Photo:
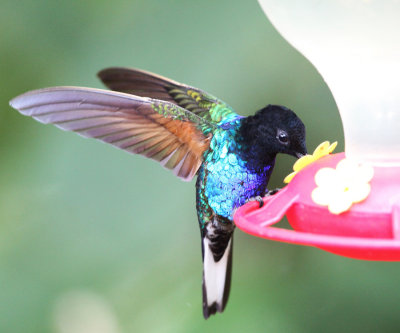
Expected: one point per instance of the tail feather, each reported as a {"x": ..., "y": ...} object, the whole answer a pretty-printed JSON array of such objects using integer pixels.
[{"x": 217, "y": 272}]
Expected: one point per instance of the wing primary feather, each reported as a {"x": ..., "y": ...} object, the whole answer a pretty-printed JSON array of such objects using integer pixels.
[{"x": 154, "y": 128}]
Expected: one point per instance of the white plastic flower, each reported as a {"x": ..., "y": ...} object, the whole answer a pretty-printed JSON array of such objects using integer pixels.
[{"x": 340, "y": 188}]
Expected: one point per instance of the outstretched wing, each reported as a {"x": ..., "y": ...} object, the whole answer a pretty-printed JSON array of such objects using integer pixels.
[
  {"x": 160, "y": 130},
  {"x": 146, "y": 84}
]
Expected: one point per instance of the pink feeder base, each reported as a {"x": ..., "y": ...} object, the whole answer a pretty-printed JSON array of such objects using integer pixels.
[{"x": 369, "y": 231}]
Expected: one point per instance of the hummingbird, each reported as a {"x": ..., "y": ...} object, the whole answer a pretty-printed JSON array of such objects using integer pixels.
[{"x": 190, "y": 132}]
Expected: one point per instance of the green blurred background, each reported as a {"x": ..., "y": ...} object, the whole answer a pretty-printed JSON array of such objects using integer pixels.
[{"x": 93, "y": 239}]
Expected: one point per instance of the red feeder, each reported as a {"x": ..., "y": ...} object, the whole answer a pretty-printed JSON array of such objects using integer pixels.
[{"x": 369, "y": 231}]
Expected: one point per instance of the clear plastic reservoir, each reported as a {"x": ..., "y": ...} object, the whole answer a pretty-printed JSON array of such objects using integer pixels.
[{"x": 355, "y": 45}]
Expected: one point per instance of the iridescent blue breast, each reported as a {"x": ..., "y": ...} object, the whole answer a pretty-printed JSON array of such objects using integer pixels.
[{"x": 228, "y": 183}]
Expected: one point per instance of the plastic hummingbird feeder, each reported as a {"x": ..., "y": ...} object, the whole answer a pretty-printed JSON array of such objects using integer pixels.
[{"x": 346, "y": 203}]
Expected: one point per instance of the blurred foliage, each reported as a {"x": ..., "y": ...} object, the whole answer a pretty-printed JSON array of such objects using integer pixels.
[{"x": 91, "y": 235}]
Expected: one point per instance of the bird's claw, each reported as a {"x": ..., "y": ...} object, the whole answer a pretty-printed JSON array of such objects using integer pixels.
[{"x": 258, "y": 199}]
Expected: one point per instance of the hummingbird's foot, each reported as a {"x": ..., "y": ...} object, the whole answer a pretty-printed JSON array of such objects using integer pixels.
[
  {"x": 258, "y": 199},
  {"x": 272, "y": 192}
]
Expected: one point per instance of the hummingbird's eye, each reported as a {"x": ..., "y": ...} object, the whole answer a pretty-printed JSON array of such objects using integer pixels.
[{"x": 282, "y": 137}]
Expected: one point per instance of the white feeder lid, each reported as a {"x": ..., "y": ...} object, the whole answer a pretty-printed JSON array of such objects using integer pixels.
[{"x": 355, "y": 45}]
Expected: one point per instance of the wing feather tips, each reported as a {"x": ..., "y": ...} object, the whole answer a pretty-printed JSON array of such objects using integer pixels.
[
  {"x": 79, "y": 96},
  {"x": 126, "y": 74},
  {"x": 138, "y": 82}
]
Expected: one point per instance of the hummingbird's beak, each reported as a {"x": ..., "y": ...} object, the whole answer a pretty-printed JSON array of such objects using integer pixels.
[{"x": 301, "y": 152}]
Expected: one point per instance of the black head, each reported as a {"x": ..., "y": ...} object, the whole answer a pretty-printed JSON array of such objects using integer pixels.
[{"x": 272, "y": 130}]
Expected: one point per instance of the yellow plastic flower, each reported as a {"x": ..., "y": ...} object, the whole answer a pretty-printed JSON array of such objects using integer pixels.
[
  {"x": 323, "y": 149},
  {"x": 340, "y": 188}
]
